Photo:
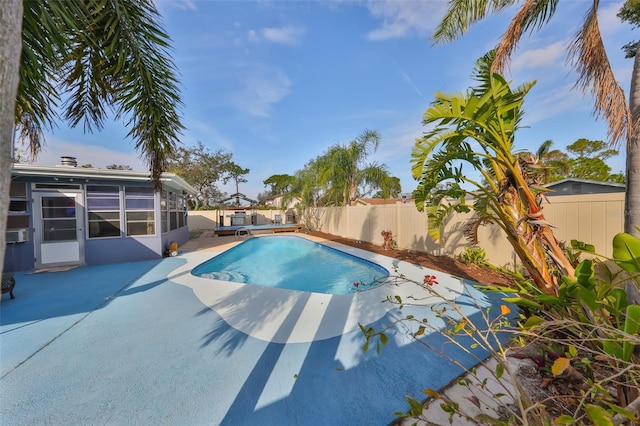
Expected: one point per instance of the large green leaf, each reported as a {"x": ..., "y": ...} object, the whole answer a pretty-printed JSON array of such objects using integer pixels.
[
  {"x": 626, "y": 252},
  {"x": 598, "y": 415},
  {"x": 631, "y": 327},
  {"x": 521, "y": 301}
]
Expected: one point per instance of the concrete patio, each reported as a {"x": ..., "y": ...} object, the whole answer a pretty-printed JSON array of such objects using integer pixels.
[{"x": 134, "y": 344}]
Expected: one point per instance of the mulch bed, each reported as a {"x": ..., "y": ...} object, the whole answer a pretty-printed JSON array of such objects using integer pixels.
[{"x": 446, "y": 264}]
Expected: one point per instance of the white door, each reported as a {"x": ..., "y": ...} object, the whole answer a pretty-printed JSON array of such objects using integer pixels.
[{"x": 58, "y": 223}]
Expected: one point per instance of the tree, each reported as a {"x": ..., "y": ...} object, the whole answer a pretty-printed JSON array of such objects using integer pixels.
[
  {"x": 346, "y": 170},
  {"x": 545, "y": 170},
  {"x": 96, "y": 54},
  {"x": 341, "y": 174},
  {"x": 589, "y": 162},
  {"x": 588, "y": 57},
  {"x": 585, "y": 148},
  {"x": 310, "y": 187},
  {"x": 616, "y": 178},
  {"x": 235, "y": 173},
  {"x": 489, "y": 115},
  {"x": 10, "y": 48},
  {"x": 119, "y": 167},
  {"x": 201, "y": 169},
  {"x": 554, "y": 164},
  {"x": 279, "y": 184},
  {"x": 391, "y": 188}
]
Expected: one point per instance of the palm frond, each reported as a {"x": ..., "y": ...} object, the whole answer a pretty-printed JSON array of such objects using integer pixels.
[
  {"x": 45, "y": 26},
  {"x": 589, "y": 58},
  {"x": 470, "y": 230},
  {"x": 102, "y": 53},
  {"x": 464, "y": 13},
  {"x": 531, "y": 16}
]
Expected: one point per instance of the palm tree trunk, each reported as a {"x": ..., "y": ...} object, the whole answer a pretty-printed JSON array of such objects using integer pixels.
[
  {"x": 632, "y": 198},
  {"x": 10, "y": 50}
]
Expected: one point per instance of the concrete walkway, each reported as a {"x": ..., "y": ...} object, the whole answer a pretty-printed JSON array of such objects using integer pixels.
[{"x": 133, "y": 344}]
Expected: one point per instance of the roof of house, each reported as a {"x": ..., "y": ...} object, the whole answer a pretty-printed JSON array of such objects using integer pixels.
[
  {"x": 591, "y": 182},
  {"x": 170, "y": 180}
]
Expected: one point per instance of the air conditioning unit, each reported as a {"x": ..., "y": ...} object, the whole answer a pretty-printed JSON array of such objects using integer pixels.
[{"x": 17, "y": 235}]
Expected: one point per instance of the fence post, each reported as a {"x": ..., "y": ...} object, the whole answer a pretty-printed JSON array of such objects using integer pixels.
[{"x": 398, "y": 237}]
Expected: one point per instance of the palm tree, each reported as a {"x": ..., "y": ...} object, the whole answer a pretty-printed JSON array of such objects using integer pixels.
[
  {"x": 588, "y": 57},
  {"x": 548, "y": 165},
  {"x": 489, "y": 115},
  {"x": 94, "y": 54},
  {"x": 310, "y": 187},
  {"x": 347, "y": 170}
]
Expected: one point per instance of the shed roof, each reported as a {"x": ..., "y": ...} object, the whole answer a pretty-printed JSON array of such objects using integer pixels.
[{"x": 591, "y": 182}]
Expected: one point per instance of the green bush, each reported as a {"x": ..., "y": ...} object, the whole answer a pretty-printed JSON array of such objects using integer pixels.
[{"x": 473, "y": 255}]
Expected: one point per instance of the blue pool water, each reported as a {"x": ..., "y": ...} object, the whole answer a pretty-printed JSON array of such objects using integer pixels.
[{"x": 293, "y": 263}]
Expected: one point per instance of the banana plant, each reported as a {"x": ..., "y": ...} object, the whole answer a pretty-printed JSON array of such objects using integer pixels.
[{"x": 478, "y": 129}]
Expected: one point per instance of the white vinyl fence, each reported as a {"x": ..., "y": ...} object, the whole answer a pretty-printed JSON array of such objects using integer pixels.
[{"x": 592, "y": 218}]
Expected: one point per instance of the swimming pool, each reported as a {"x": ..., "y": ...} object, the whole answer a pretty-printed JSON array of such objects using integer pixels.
[{"x": 292, "y": 263}]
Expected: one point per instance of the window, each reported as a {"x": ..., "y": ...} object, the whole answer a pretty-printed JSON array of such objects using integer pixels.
[
  {"x": 18, "y": 206},
  {"x": 173, "y": 212},
  {"x": 59, "y": 218},
  {"x": 103, "y": 211},
  {"x": 177, "y": 210},
  {"x": 140, "y": 210},
  {"x": 164, "y": 211}
]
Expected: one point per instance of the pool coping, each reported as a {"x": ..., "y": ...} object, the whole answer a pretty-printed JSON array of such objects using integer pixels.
[{"x": 235, "y": 302}]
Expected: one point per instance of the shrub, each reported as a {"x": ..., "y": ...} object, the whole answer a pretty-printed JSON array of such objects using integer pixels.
[
  {"x": 473, "y": 255},
  {"x": 583, "y": 343}
]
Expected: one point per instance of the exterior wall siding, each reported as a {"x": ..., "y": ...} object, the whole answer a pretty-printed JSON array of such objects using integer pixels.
[
  {"x": 20, "y": 256},
  {"x": 122, "y": 250}
]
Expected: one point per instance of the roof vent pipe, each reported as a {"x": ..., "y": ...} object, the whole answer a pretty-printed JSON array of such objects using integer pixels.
[{"x": 69, "y": 161}]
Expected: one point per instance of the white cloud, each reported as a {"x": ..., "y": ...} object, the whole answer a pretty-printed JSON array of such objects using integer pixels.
[
  {"x": 207, "y": 134},
  {"x": 543, "y": 57},
  {"x": 98, "y": 156},
  {"x": 262, "y": 89},
  {"x": 607, "y": 19},
  {"x": 553, "y": 103},
  {"x": 405, "y": 18},
  {"x": 175, "y": 4},
  {"x": 286, "y": 35}
]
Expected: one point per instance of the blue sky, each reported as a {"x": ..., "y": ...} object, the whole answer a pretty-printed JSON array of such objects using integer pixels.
[{"x": 278, "y": 82}]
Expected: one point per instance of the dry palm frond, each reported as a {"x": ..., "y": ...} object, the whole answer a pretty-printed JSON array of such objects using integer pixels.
[
  {"x": 470, "y": 230},
  {"x": 532, "y": 13},
  {"x": 30, "y": 132},
  {"x": 588, "y": 57}
]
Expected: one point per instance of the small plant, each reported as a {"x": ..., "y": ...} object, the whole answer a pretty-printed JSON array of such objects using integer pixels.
[
  {"x": 583, "y": 342},
  {"x": 389, "y": 243},
  {"x": 476, "y": 338},
  {"x": 473, "y": 255}
]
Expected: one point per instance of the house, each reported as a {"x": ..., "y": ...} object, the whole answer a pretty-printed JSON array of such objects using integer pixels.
[
  {"x": 65, "y": 215},
  {"x": 275, "y": 202},
  {"x": 571, "y": 186}
]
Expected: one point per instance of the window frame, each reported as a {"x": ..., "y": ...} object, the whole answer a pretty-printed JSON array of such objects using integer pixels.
[
  {"x": 96, "y": 211},
  {"x": 18, "y": 218},
  {"x": 143, "y": 193}
]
